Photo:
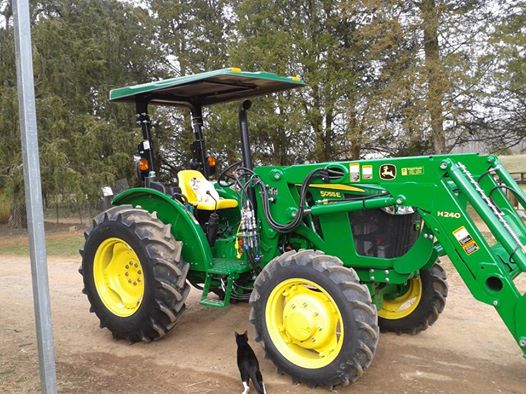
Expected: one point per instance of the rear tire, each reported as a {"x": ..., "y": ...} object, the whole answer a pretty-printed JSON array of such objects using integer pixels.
[
  {"x": 133, "y": 276},
  {"x": 430, "y": 303},
  {"x": 316, "y": 321}
]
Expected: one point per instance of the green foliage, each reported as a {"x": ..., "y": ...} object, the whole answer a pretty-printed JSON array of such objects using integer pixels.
[
  {"x": 5, "y": 207},
  {"x": 505, "y": 124},
  {"x": 384, "y": 78},
  {"x": 81, "y": 50}
]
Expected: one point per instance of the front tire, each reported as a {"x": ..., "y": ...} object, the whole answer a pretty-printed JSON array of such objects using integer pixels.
[
  {"x": 132, "y": 273},
  {"x": 418, "y": 306},
  {"x": 316, "y": 321}
]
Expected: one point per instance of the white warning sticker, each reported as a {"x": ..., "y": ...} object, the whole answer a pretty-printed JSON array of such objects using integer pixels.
[
  {"x": 462, "y": 235},
  {"x": 354, "y": 169},
  {"x": 465, "y": 240},
  {"x": 367, "y": 171}
]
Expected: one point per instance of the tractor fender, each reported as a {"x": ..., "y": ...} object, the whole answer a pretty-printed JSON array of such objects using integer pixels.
[{"x": 184, "y": 226}]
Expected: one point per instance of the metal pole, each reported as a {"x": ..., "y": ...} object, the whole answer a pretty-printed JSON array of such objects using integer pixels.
[{"x": 33, "y": 190}]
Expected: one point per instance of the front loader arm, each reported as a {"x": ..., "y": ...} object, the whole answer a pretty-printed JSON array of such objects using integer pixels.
[
  {"x": 458, "y": 197},
  {"x": 487, "y": 266}
]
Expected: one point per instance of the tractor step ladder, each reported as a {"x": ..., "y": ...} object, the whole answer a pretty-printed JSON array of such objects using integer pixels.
[
  {"x": 212, "y": 302},
  {"x": 224, "y": 271}
]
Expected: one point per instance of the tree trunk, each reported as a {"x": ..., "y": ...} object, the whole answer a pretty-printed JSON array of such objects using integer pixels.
[
  {"x": 356, "y": 150},
  {"x": 18, "y": 216},
  {"x": 56, "y": 206},
  {"x": 355, "y": 134},
  {"x": 435, "y": 83},
  {"x": 316, "y": 121},
  {"x": 328, "y": 151}
]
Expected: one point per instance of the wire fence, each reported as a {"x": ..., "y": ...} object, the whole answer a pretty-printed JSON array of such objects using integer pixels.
[{"x": 520, "y": 177}]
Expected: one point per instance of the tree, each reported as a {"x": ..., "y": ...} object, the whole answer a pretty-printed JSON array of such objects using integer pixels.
[
  {"x": 503, "y": 91},
  {"x": 314, "y": 40},
  {"x": 81, "y": 50},
  {"x": 425, "y": 56},
  {"x": 194, "y": 37}
]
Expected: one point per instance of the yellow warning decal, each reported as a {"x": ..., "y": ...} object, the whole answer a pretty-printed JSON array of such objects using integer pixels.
[
  {"x": 470, "y": 248},
  {"x": 411, "y": 171},
  {"x": 465, "y": 240},
  {"x": 354, "y": 170}
]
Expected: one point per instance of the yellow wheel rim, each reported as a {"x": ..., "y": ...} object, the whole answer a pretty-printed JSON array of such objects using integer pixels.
[
  {"x": 119, "y": 277},
  {"x": 304, "y": 323},
  {"x": 404, "y": 305}
]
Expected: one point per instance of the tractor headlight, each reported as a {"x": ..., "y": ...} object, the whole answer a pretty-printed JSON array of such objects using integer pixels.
[{"x": 399, "y": 210}]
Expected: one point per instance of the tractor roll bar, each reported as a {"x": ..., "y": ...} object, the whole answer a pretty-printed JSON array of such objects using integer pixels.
[
  {"x": 245, "y": 139},
  {"x": 143, "y": 120},
  {"x": 198, "y": 146},
  {"x": 199, "y": 160},
  {"x": 245, "y": 146}
]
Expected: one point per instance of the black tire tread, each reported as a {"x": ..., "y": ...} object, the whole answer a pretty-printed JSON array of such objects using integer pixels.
[
  {"x": 355, "y": 293},
  {"x": 431, "y": 310},
  {"x": 164, "y": 252}
]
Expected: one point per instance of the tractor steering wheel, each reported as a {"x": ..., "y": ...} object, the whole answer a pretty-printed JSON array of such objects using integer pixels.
[{"x": 227, "y": 178}]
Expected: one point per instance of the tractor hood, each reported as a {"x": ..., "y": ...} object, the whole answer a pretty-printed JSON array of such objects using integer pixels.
[{"x": 207, "y": 88}]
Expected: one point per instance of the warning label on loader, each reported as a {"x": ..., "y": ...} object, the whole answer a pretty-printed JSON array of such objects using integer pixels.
[
  {"x": 462, "y": 235},
  {"x": 354, "y": 169},
  {"x": 411, "y": 171},
  {"x": 471, "y": 248},
  {"x": 367, "y": 171},
  {"x": 466, "y": 240}
]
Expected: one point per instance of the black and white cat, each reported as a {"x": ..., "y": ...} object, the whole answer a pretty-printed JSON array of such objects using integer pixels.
[{"x": 248, "y": 365}]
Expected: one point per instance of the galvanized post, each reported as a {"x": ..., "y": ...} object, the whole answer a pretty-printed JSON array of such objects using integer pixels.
[{"x": 35, "y": 216}]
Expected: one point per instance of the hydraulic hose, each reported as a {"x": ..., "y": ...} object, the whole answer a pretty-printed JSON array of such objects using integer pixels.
[{"x": 324, "y": 173}]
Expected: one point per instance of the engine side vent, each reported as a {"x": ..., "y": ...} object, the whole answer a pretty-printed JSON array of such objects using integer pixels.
[{"x": 380, "y": 234}]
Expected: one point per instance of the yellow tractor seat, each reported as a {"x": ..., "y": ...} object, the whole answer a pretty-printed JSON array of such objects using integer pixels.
[{"x": 201, "y": 193}]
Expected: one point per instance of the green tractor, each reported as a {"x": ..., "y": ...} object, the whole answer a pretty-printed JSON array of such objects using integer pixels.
[{"x": 328, "y": 254}]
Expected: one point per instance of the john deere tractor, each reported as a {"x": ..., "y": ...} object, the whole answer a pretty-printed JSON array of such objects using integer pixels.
[{"x": 327, "y": 254}]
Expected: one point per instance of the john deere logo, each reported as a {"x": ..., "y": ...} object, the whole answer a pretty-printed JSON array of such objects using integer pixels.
[{"x": 387, "y": 172}]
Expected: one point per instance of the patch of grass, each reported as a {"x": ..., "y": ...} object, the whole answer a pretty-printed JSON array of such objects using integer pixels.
[
  {"x": 67, "y": 245},
  {"x": 6, "y": 372}
]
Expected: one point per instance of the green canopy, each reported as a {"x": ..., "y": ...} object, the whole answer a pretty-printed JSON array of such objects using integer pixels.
[{"x": 207, "y": 88}]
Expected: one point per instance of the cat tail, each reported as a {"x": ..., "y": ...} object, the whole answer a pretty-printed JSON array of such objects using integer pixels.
[{"x": 257, "y": 381}]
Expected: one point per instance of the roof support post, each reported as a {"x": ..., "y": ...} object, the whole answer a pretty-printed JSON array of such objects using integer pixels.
[
  {"x": 199, "y": 159},
  {"x": 245, "y": 138},
  {"x": 33, "y": 191},
  {"x": 245, "y": 145},
  {"x": 143, "y": 121}
]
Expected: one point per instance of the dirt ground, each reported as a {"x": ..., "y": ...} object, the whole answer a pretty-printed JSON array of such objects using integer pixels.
[{"x": 468, "y": 350}]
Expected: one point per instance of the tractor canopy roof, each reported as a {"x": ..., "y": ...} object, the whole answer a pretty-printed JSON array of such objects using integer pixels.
[{"x": 212, "y": 87}]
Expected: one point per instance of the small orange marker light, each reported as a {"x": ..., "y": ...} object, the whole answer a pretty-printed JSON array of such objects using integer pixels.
[
  {"x": 211, "y": 161},
  {"x": 143, "y": 165}
]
